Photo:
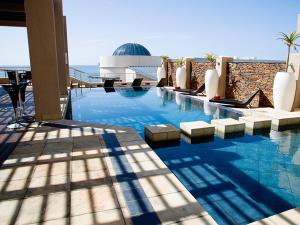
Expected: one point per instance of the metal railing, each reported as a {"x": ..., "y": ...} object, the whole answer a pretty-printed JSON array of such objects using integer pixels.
[
  {"x": 84, "y": 76},
  {"x": 94, "y": 78},
  {"x": 4, "y": 69}
]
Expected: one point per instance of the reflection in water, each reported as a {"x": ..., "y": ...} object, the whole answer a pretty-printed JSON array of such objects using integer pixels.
[
  {"x": 133, "y": 92},
  {"x": 296, "y": 158},
  {"x": 209, "y": 109},
  {"x": 275, "y": 135},
  {"x": 285, "y": 140},
  {"x": 159, "y": 92},
  {"x": 183, "y": 101},
  {"x": 162, "y": 94},
  {"x": 178, "y": 99}
]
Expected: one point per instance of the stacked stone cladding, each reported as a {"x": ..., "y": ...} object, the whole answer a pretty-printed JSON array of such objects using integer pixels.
[
  {"x": 244, "y": 78},
  {"x": 198, "y": 72}
]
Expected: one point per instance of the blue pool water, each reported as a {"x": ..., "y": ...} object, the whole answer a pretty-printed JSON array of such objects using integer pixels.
[{"x": 237, "y": 180}]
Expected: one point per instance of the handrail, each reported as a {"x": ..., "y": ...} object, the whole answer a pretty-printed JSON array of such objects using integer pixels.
[{"x": 4, "y": 69}]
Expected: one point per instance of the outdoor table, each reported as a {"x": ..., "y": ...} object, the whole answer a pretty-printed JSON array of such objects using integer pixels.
[{"x": 16, "y": 92}]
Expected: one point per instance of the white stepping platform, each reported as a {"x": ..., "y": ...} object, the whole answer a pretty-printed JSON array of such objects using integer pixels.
[
  {"x": 197, "y": 129},
  {"x": 228, "y": 126},
  {"x": 288, "y": 217},
  {"x": 162, "y": 132},
  {"x": 255, "y": 123},
  {"x": 280, "y": 119}
]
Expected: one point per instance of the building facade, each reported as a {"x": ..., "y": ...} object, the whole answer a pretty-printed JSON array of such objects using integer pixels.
[{"x": 129, "y": 61}]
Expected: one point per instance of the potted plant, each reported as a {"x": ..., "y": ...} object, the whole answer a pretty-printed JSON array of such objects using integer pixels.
[
  {"x": 161, "y": 71},
  {"x": 181, "y": 74},
  {"x": 211, "y": 77},
  {"x": 284, "y": 87}
]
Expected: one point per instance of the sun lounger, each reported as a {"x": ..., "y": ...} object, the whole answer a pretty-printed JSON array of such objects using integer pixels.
[
  {"x": 236, "y": 103},
  {"x": 138, "y": 88},
  {"x": 108, "y": 83},
  {"x": 109, "y": 89},
  {"x": 162, "y": 82},
  {"x": 200, "y": 90},
  {"x": 137, "y": 82}
]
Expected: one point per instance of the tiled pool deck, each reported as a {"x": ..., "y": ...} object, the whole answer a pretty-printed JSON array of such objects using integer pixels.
[{"x": 78, "y": 173}]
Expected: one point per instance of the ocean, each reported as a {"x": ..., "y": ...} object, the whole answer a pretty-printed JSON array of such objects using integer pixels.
[
  {"x": 92, "y": 70},
  {"x": 89, "y": 73}
]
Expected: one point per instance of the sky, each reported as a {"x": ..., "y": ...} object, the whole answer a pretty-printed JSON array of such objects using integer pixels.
[{"x": 177, "y": 28}]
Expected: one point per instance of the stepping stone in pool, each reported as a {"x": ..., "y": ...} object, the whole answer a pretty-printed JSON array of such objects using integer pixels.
[
  {"x": 256, "y": 124},
  {"x": 197, "y": 129},
  {"x": 162, "y": 133},
  {"x": 228, "y": 128},
  {"x": 284, "y": 122}
]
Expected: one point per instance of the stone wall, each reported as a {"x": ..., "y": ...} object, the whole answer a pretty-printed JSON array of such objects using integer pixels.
[
  {"x": 198, "y": 72},
  {"x": 172, "y": 67},
  {"x": 244, "y": 78},
  {"x": 198, "y": 69}
]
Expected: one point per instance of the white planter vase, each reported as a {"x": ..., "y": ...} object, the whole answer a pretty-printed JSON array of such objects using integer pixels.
[
  {"x": 161, "y": 73},
  {"x": 211, "y": 83},
  {"x": 181, "y": 77},
  {"x": 284, "y": 89}
]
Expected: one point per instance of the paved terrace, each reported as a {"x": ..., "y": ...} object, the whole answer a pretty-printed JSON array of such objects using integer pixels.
[
  {"x": 75, "y": 173},
  {"x": 9, "y": 138}
]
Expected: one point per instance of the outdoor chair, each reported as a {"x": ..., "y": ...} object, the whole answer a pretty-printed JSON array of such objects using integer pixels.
[
  {"x": 25, "y": 77},
  {"x": 236, "y": 103},
  {"x": 135, "y": 88},
  {"x": 108, "y": 83},
  {"x": 137, "y": 82},
  {"x": 162, "y": 82},
  {"x": 12, "y": 76},
  {"x": 199, "y": 90},
  {"x": 109, "y": 89}
]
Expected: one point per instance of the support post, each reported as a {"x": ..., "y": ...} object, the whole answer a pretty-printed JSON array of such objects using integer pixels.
[
  {"x": 165, "y": 63},
  {"x": 221, "y": 67},
  {"x": 188, "y": 67},
  {"x": 43, "y": 58},
  {"x": 60, "y": 44},
  {"x": 295, "y": 62}
]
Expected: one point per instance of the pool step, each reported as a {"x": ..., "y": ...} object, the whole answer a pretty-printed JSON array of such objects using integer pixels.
[
  {"x": 162, "y": 133},
  {"x": 226, "y": 128},
  {"x": 281, "y": 120},
  {"x": 256, "y": 124},
  {"x": 197, "y": 129},
  {"x": 291, "y": 216}
]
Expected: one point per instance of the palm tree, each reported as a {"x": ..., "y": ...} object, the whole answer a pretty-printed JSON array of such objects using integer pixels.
[
  {"x": 164, "y": 58},
  {"x": 290, "y": 41},
  {"x": 180, "y": 62},
  {"x": 211, "y": 58}
]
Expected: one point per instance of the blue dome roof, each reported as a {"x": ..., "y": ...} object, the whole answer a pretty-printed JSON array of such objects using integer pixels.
[{"x": 132, "y": 49}]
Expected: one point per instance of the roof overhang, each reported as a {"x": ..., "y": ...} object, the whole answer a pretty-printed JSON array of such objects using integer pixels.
[{"x": 12, "y": 13}]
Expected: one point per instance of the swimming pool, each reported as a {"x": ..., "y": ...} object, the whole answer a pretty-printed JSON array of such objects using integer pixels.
[{"x": 237, "y": 180}]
